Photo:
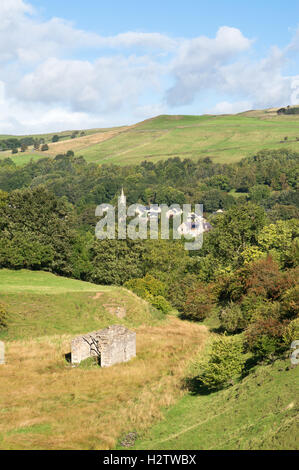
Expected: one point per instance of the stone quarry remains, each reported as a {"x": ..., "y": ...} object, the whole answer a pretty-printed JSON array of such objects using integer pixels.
[{"x": 111, "y": 345}]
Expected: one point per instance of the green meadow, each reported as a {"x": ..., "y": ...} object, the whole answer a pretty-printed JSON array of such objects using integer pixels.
[
  {"x": 225, "y": 139},
  {"x": 260, "y": 412},
  {"x": 41, "y": 303}
]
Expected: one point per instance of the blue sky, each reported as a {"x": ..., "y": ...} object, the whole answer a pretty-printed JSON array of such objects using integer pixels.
[
  {"x": 76, "y": 64},
  {"x": 270, "y": 21}
]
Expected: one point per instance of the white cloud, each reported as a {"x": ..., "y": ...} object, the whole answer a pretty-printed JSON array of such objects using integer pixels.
[
  {"x": 23, "y": 36},
  {"x": 198, "y": 60},
  {"x": 103, "y": 86},
  {"x": 225, "y": 107},
  {"x": 45, "y": 83}
]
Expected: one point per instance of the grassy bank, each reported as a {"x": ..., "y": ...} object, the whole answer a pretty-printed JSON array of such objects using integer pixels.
[
  {"x": 260, "y": 412},
  {"x": 41, "y": 303}
]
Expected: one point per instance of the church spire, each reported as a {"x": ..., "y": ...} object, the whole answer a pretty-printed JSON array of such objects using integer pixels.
[{"x": 122, "y": 197}]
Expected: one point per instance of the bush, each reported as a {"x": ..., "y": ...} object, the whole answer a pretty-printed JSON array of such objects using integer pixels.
[
  {"x": 252, "y": 306},
  {"x": 177, "y": 291},
  {"x": 146, "y": 285},
  {"x": 264, "y": 338},
  {"x": 3, "y": 317},
  {"x": 232, "y": 319},
  {"x": 290, "y": 303},
  {"x": 152, "y": 290},
  {"x": 200, "y": 300},
  {"x": 226, "y": 363},
  {"x": 159, "y": 302},
  {"x": 291, "y": 332},
  {"x": 261, "y": 278}
]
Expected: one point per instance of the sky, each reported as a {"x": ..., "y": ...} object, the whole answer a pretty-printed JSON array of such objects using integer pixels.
[{"x": 84, "y": 64}]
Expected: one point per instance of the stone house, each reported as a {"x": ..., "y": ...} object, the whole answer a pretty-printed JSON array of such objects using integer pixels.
[{"x": 111, "y": 345}]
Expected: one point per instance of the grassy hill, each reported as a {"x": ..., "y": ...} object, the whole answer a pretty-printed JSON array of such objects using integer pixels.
[
  {"x": 41, "y": 303},
  {"x": 47, "y": 404},
  {"x": 225, "y": 138},
  {"x": 261, "y": 412}
]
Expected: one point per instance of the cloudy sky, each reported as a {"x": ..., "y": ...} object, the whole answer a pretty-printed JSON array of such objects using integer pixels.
[{"x": 80, "y": 64}]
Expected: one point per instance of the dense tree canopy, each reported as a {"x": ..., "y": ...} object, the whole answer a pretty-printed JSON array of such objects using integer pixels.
[{"x": 246, "y": 271}]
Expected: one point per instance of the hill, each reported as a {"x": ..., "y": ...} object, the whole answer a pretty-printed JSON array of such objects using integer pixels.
[
  {"x": 41, "y": 303},
  {"x": 261, "y": 412},
  {"x": 224, "y": 138},
  {"x": 47, "y": 404}
]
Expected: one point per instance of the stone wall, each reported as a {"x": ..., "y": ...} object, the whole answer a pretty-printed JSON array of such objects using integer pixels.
[{"x": 112, "y": 345}]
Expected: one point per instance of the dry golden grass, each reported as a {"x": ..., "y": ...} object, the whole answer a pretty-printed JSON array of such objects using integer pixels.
[
  {"x": 46, "y": 404},
  {"x": 81, "y": 142}
]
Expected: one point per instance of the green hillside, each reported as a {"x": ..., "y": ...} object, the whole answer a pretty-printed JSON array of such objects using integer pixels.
[
  {"x": 261, "y": 412},
  {"x": 224, "y": 138},
  {"x": 41, "y": 303}
]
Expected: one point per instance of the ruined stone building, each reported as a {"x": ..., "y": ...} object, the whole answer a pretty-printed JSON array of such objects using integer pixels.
[{"x": 112, "y": 345}]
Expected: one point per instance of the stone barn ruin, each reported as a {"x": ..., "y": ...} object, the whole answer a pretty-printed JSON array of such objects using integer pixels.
[{"x": 112, "y": 345}]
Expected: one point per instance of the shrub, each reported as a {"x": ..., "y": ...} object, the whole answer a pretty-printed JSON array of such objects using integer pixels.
[
  {"x": 265, "y": 309},
  {"x": 251, "y": 306},
  {"x": 262, "y": 278},
  {"x": 200, "y": 300},
  {"x": 230, "y": 288},
  {"x": 290, "y": 303},
  {"x": 146, "y": 285},
  {"x": 159, "y": 302},
  {"x": 152, "y": 290},
  {"x": 291, "y": 332},
  {"x": 232, "y": 318},
  {"x": 264, "y": 337},
  {"x": 226, "y": 363},
  {"x": 3, "y": 317},
  {"x": 177, "y": 291}
]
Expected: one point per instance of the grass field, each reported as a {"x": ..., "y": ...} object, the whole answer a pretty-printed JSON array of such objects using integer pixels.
[
  {"x": 225, "y": 138},
  {"x": 41, "y": 303},
  {"x": 261, "y": 412},
  {"x": 47, "y": 404}
]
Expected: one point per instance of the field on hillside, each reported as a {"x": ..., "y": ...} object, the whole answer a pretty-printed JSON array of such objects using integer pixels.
[
  {"x": 47, "y": 404},
  {"x": 261, "y": 412},
  {"x": 226, "y": 138},
  {"x": 65, "y": 143},
  {"x": 41, "y": 303}
]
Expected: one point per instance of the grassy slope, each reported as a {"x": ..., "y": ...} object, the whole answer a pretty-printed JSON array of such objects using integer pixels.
[
  {"x": 226, "y": 138},
  {"x": 223, "y": 138},
  {"x": 261, "y": 412},
  {"x": 45, "y": 403},
  {"x": 64, "y": 144},
  {"x": 41, "y": 303}
]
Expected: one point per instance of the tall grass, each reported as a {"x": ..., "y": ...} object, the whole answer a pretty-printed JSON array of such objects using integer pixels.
[{"x": 46, "y": 404}]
